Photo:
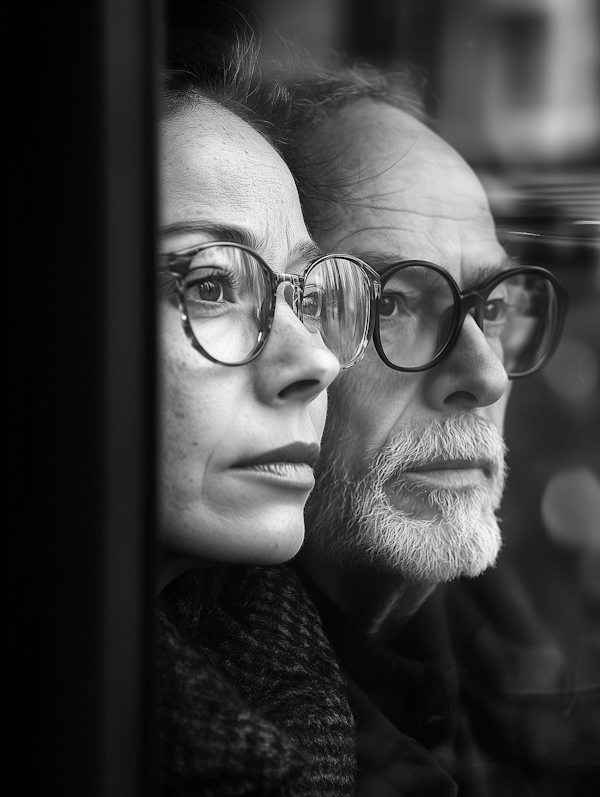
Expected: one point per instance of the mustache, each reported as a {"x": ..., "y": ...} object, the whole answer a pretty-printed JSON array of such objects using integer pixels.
[{"x": 460, "y": 436}]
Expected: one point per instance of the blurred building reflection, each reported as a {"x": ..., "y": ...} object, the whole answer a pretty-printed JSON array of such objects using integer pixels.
[{"x": 526, "y": 72}]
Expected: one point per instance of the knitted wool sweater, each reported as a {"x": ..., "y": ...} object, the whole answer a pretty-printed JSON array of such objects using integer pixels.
[{"x": 250, "y": 696}]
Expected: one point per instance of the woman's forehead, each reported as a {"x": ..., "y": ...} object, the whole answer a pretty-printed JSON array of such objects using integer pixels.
[
  {"x": 212, "y": 149},
  {"x": 215, "y": 166}
]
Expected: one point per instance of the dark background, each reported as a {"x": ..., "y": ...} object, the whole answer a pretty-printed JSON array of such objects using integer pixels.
[{"x": 512, "y": 84}]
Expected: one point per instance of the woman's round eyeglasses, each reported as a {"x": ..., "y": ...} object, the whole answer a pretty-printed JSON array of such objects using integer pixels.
[
  {"x": 421, "y": 312},
  {"x": 226, "y": 295}
]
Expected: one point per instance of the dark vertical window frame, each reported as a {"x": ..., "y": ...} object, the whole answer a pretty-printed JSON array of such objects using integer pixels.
[
  {"x": 79, "y": 83},
  {"x": 132, "y": 56}
]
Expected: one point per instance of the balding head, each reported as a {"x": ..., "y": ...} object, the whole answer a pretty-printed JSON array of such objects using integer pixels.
[{"x": 387, "y": 175}]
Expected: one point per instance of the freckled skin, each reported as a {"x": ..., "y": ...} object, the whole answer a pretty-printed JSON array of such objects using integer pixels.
[
  {"x": 215, "y": 168},
  {"x": 407, "y": 195}
]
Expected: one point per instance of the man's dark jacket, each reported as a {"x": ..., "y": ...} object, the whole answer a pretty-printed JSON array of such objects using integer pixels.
[{"x": 469, "y": 698}]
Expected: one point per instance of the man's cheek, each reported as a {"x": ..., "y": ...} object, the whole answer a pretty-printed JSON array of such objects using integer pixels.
[{"x": 497, "y": 412}]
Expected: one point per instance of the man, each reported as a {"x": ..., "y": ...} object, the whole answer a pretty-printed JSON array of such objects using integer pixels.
[{"x": 412, "y": 474}]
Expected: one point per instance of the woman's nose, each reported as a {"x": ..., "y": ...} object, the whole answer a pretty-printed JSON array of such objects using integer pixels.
[{"x": 295, "y": 364}]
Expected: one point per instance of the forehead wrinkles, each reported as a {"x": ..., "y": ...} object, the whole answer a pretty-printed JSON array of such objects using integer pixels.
[
  {"x": 398, "y": 185},
  {"x": 412, "y": 193},
  {"x": 368, "y": 225}
]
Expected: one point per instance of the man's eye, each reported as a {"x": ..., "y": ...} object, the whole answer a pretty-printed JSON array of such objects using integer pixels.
[
  {"x": 392, "y": 304},
  {"x": 495, "y": 311},
  {"x": 312, "y": 303}
]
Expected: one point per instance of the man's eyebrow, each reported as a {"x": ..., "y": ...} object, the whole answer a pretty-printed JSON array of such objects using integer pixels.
[
  {"x": 482, "y": 274},
  {"x": 220, "y": 232},
  {"x": 478, "y": 276}
]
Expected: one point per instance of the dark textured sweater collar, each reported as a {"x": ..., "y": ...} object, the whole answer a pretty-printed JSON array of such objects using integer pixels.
[{"x": 250, "y": 684}]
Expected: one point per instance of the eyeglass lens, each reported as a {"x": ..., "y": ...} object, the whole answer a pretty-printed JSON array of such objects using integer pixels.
[
  {"x": 418, "y": 314},
  {"x": 228, "y": 300},
  {"x": 519, "y": 317},
  {"x": 336, "y": 305}
]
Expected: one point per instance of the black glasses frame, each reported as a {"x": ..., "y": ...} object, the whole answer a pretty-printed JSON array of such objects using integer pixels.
[
  {"x": 473, "y": 302},
  {"x": 177, "y": 265}
]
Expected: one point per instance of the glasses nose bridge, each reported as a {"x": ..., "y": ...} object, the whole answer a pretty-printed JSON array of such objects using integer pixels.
[
  {"x": 471, "y": 303},
  {"x": 296, "y": 282}
]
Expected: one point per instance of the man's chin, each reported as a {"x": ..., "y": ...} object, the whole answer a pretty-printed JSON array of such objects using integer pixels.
[
  {"x": 427, "y": 535},
  {"x": 444, "y": 556}
]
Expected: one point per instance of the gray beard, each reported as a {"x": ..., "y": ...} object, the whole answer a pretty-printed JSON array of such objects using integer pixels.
[{"x": 398, "y": 526}]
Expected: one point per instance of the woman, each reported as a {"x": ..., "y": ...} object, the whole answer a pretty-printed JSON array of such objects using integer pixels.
[{"x": 251, "y": 700}]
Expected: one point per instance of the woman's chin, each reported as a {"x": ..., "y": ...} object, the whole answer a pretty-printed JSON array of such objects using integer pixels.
[
  {"x": 263, "y": 544},
  {"x": 262, "y": 538}
]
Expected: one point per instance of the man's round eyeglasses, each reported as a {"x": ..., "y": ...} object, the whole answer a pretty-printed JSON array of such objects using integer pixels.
[
  {"x": 421, "y": 312},
  {"x": 226, "y": 295}
]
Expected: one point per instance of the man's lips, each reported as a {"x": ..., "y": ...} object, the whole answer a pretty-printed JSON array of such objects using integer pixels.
[
  {"x": 301, "y": 453},
  {"x": 450, "y": 472},
  {"x": 452, "y": 464}
]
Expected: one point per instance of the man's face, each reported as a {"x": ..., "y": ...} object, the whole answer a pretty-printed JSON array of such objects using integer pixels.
[{"x": 412, "y": 462}]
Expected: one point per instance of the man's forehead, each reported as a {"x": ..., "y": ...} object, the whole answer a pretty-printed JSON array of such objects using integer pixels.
[
  {"x": 382, "y": 237},
  {"x": 370, "y": 137},
  {"x": 387, "y": 159},
  {"x": 404, "y": 193}
]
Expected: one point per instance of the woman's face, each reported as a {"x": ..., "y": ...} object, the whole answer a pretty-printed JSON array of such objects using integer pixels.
[{"x": 226, "y": 494}]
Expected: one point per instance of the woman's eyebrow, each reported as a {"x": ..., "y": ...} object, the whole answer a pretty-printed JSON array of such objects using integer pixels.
[
  {"x": 220, "y": 232},
  {"x": 305, "y": 250},
  {"x": 302, "y": 252}
]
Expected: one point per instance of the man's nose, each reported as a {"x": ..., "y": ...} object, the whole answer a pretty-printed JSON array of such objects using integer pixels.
[{"x": 470, "y": 376}]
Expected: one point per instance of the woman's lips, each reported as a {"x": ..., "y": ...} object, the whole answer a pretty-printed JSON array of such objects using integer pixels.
[
  {"x": 300, "y": 473},
  {"x": 292, "y": 464},
  {"x": 294, "y": 453}
]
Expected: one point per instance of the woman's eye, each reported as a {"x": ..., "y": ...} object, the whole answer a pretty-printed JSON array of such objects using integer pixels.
[{"x": 206, "y": 291}]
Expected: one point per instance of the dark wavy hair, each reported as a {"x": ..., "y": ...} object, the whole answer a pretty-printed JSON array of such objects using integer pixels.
[
  {"x": 216, "y": 56},
  {"x": 330, "y": 84},
  {"x": 319, "y": 89}
]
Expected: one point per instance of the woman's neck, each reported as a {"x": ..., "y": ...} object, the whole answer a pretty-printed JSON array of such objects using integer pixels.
[{"x": 170, "y": 565}]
